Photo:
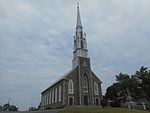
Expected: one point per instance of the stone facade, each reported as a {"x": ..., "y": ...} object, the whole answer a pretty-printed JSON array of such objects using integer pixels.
[{"x": 80, "y": 86}]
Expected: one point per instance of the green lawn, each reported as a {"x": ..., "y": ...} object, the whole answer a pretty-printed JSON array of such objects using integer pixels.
[{"x": 106, "y": 110}]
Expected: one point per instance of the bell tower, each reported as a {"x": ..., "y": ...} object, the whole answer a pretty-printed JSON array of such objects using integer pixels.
[
  {"x": 82, "y": 61},
  {"x": 80, "y": 45}
]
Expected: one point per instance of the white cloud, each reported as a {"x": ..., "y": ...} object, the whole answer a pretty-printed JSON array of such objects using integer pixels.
[{"x": 36, "y": 39}]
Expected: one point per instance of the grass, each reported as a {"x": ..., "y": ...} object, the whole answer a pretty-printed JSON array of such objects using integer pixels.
[{"x": 108, "y": 110}]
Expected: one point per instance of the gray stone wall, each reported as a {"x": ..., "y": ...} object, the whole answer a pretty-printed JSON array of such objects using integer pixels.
[
  {"x": 49, "y": 97},
  {"x": 85, "y": 69},
  {"x": 78, "y": 97},
  {"x": 75, "y": 78}
]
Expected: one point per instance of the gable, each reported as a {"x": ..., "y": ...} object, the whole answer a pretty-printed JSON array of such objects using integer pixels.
[
  {"x": 61, "y": 78},
  {"x": 93, "y": 74}
]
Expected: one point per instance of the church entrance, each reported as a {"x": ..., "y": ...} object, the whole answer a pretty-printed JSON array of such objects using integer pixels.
[
  {"x": 97, "y": 101},
  {"x": 70, "y": 101},
  {"x": 85, "y": 100}
]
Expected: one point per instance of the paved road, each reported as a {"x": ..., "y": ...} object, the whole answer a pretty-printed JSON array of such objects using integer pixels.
[{"x": 40, "y": 111}]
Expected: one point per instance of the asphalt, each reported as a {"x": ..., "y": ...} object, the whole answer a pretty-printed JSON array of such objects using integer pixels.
[{"x": 40, "y": 111}]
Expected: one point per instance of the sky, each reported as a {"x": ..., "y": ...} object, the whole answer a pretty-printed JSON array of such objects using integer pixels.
[{"x": 36, "y": 43}]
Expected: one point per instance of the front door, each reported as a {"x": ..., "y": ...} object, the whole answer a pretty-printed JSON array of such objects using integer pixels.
[
  {"x": 70, "y": 101},
  {"x": 85, "y": 100},
  {"x": 97, "y": 101}
]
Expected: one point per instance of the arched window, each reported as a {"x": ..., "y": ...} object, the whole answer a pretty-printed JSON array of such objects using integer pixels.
[
  {"x": 59, "y": 99},
  {"x": 75, "y": 45},
  {"x": 96, "y": 89},
  {"x": 55, "y": 95},
  {"x": 52, "y": 96},
  {"x": 70, "y": 87},
  {"x": 82, "y": 45},
  {"x": 85, "y": 83},
  {"x": 43, "y": 99},
  {"x": 81, "y": 34},
  {"x": 47, "y": 97}
]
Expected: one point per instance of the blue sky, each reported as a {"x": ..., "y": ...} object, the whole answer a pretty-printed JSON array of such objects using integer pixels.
[{"x": 36, "y": 42}]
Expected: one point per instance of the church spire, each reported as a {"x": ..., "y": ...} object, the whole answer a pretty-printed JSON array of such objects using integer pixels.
[
  {"x": 78, "y": 24},
  {"x": 80, "y": 45}
]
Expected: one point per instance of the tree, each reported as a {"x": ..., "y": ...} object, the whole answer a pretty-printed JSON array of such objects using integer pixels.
[
  {"x": 124, "y": 81},
  {"x": 112, "y": 91},
  {"x": 119, "y": 89},
  {"x": 8, "y": 107},
  {"x": 143, "y": 78},
  {"x": 136, "y": 85},
  {"x": 104, "y": 103},
  {"x": 13, "y": 108}
]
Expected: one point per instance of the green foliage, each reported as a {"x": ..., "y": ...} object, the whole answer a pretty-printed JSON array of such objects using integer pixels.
[
  {"x": 13, "y": 108},
  {"x": 136, "y": 85},
  {"x": 143, "y": 78},
  {"x": 104, "y": 103},
  {"x": 111, "y": 91},
  {"x": 109, "y": 110}
]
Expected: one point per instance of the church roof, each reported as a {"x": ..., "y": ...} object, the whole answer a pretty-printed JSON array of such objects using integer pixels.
[
  {"x": 64, "y": 77},
  {"x": 96, "y": 76},
  {"x": 61, "y": 78}
]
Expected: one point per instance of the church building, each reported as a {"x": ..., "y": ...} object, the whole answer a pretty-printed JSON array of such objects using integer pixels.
[{"x": 80, "y": 87}]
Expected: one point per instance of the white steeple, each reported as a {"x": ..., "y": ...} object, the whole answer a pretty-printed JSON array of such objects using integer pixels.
[
  {"x": 78, "y": 17},
  {"x": 80, "y": 45}
]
